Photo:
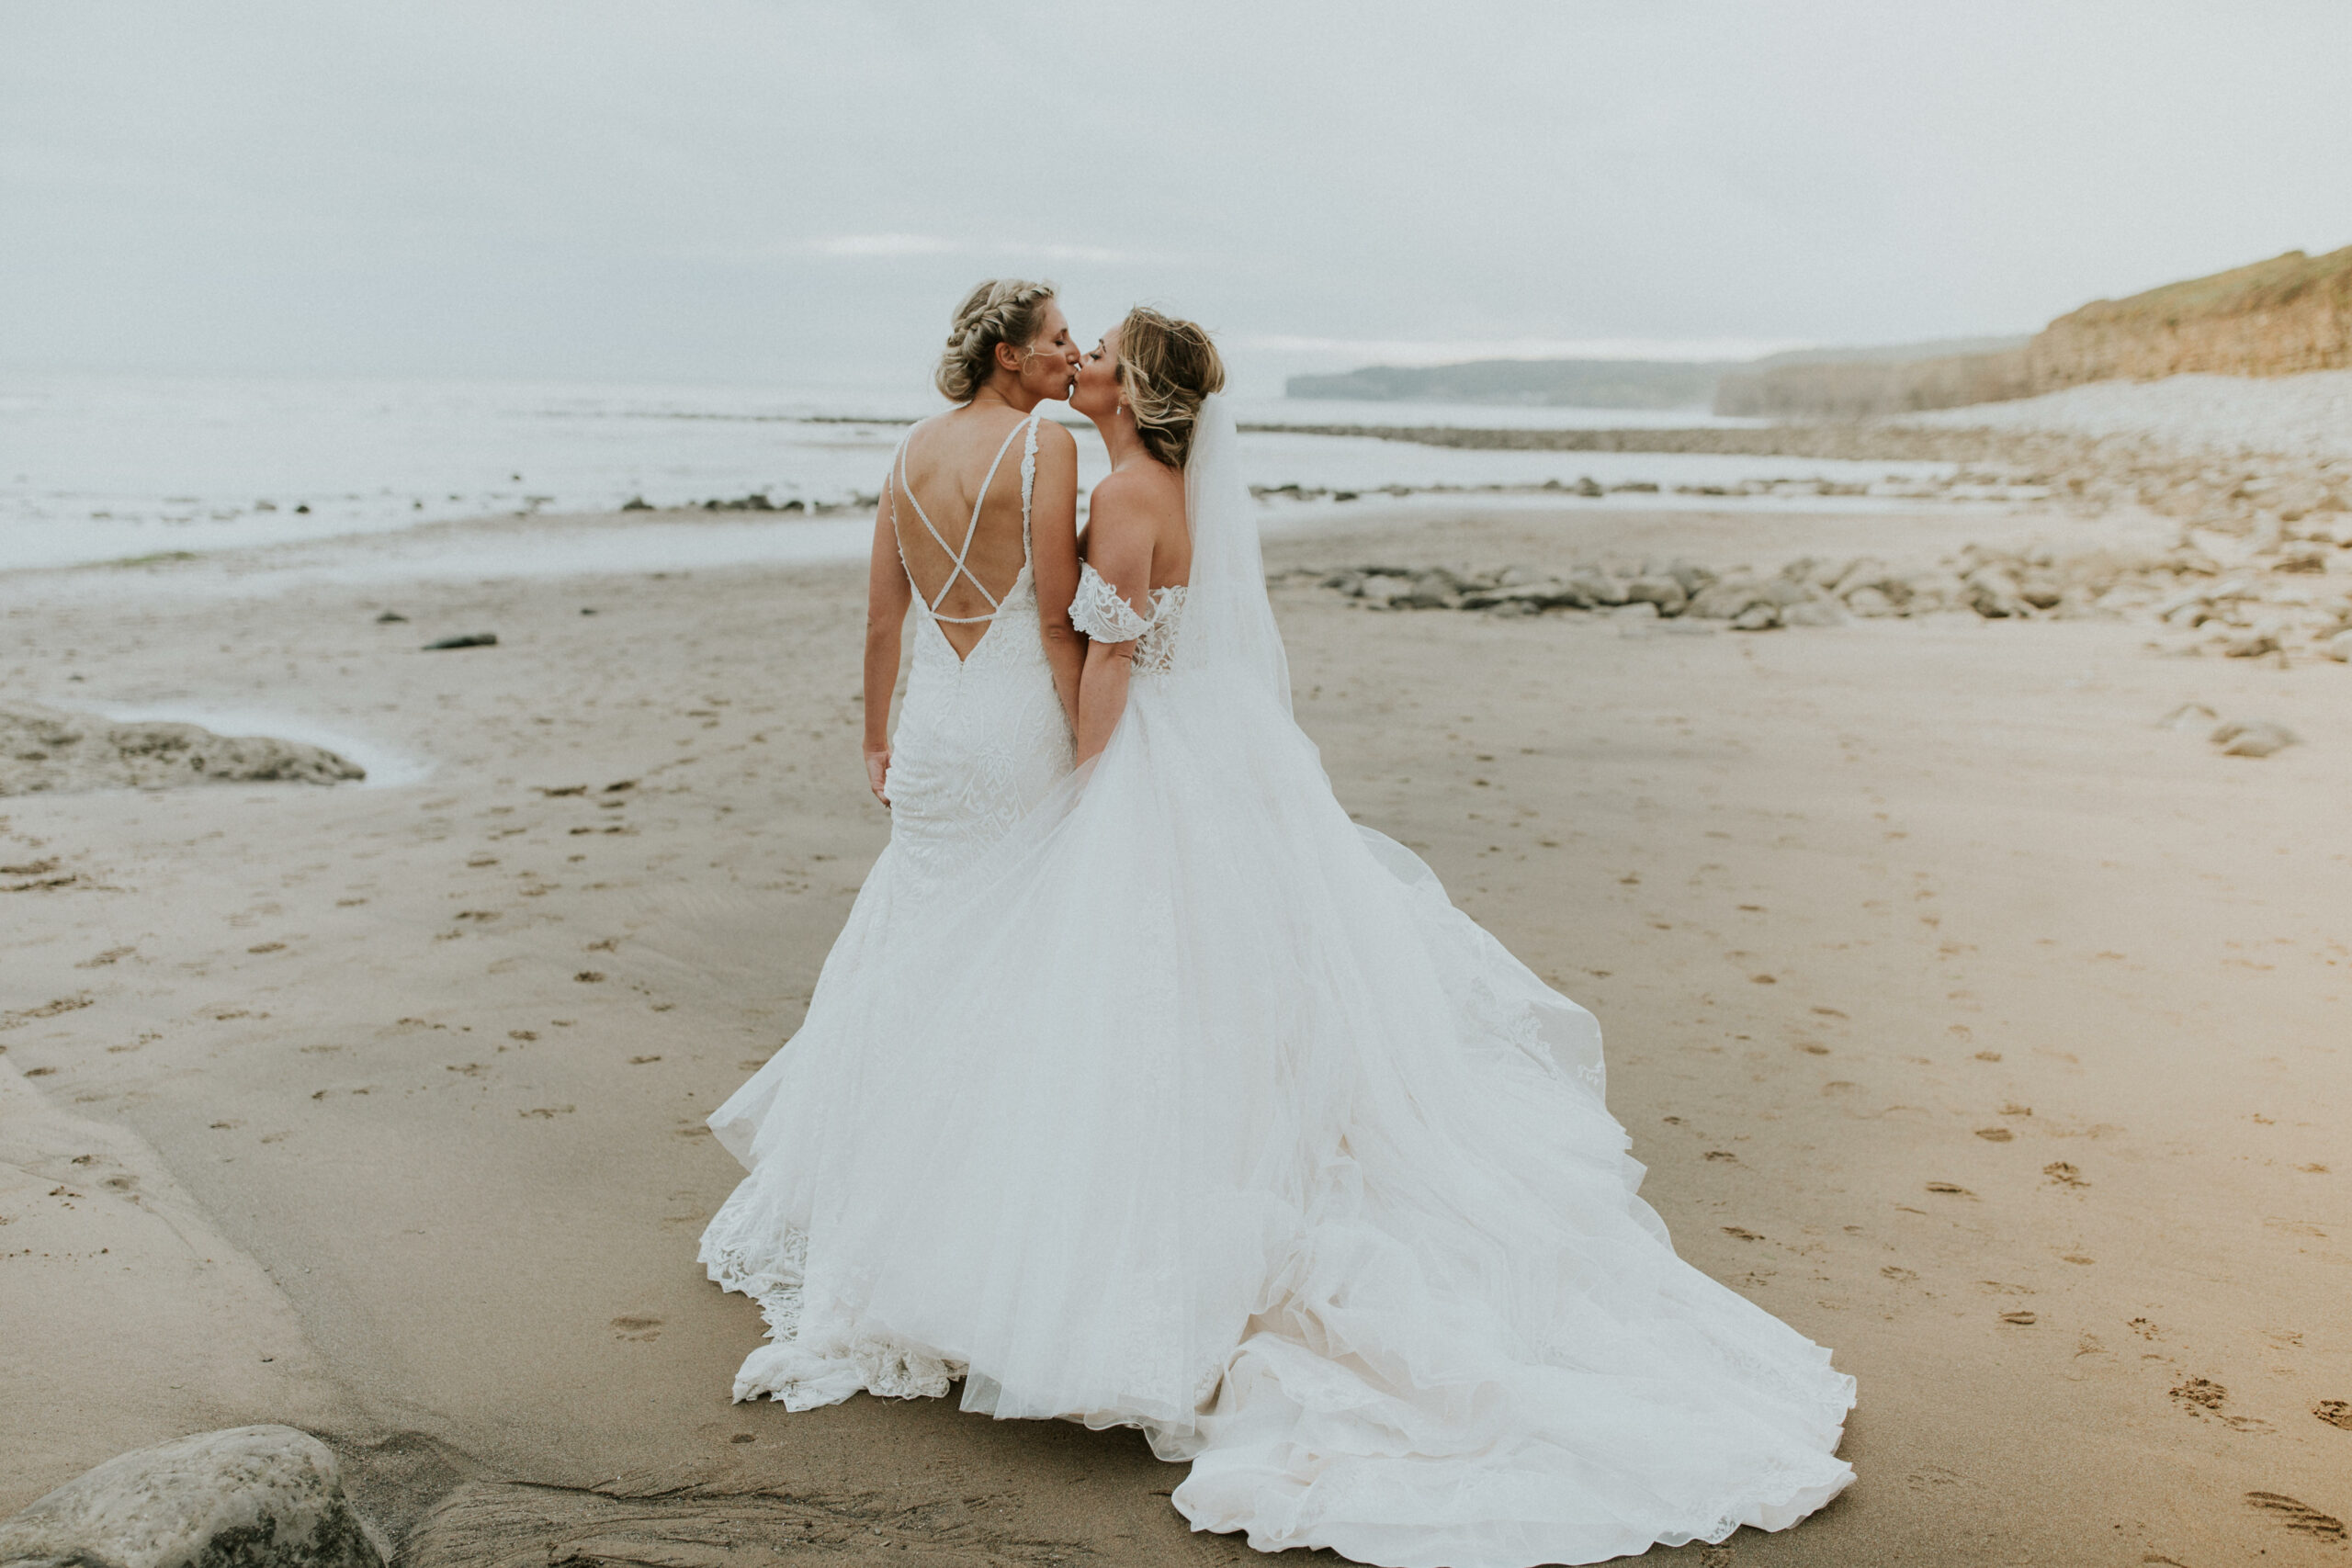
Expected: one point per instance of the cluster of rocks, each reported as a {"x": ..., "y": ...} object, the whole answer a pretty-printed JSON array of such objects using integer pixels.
[
  {"x": 46, "y": 751},
  {"x": 1963, "y": 484},
  {"x": 2262, "y": 566},
  {"x": 759, "y": 501},
  {"x": 1668, "y": 588},
  {"x": 2293, "y": 601}
]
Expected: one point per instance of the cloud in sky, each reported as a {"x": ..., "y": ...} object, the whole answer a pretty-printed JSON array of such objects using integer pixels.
[
  {"x": 858, "y": 247},
  {"x": 774, "y": 190}
]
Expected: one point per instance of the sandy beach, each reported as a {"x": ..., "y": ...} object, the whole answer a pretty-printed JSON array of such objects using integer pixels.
[{"x": 1982, "y": 1027}]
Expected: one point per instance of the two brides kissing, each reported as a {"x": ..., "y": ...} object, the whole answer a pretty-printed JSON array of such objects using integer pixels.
[{"x": 1145, "y": 1088}]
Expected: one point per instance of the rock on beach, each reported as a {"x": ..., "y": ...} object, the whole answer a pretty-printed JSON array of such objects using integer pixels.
[
  {"x": 44, "y": 751},
  {"x": 2253, "y": 738},
  {"x": 243, "y": 1497}
]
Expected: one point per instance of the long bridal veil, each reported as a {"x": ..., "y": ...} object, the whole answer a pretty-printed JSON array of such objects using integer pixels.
[
  {"x": 1227, "y": 619},
  {"x": 1231, "y": 643}
]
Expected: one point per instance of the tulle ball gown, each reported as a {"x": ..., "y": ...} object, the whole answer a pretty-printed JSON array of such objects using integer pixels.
[{"x": 1183, "y": 1103}]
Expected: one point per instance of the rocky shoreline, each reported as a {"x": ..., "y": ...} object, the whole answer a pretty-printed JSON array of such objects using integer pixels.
[
  {"x": 2296, "y": 605},
  {"x": 2232, "y": 490},
  {"x": 2260, "y": 565}
]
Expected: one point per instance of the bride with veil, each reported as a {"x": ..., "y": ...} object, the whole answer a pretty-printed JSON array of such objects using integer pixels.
[{"x": 1190, "y": 1105}]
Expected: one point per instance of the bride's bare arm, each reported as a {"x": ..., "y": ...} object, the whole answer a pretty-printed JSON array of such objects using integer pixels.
[
  {"x": 1118, "y": 545},
  {"x": 887, "y": 599},
  {"x": 1053, "y": 550}
]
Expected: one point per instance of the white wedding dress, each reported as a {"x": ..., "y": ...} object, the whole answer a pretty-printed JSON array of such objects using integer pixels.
[{"x": 1184, "y": 1103}]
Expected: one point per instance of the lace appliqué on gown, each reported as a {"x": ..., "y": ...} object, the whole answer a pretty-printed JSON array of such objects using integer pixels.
[
  {"x": 1098, "y": 611},
  {"x": 738, "y": 1255}
]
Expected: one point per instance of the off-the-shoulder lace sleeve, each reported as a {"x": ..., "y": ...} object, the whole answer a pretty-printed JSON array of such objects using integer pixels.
[{"x": 1098, "y": 611}]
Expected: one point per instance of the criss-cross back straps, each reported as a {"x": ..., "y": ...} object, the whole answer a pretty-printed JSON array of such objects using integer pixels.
[{"x": 957, "y": 567}]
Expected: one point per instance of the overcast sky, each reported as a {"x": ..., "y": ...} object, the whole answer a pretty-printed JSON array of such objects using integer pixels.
[{"x": 766, "y": 191}]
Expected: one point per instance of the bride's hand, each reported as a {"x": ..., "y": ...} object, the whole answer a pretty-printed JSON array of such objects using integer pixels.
[{"x": 878, "y": 772}]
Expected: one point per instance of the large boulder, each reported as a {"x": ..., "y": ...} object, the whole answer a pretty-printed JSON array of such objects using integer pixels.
[
  {"x": 1666, "y": 593},
  {"x": 1595, "y": 586},
  {"x": 1870, "y": 603},
  {"x": 1993, "y": 593},
  {"x": 1814, "y": 613},
  {"x": 1873, "y": 576},
  {"x": 246, "y": 1497},
  {"x": 1729, "y": 596}
]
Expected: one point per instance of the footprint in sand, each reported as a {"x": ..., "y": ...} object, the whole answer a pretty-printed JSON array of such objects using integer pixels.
[
  {"x": 636, "y": 1327},
  {"x": 2337, "y": 1413},
  {"x": 2200, "y": 1395},
  {"x": 2299, "y": 1517}
]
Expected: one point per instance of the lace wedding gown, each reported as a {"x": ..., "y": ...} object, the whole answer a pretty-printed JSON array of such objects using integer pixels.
[
  {"x": 981, "y": 737},
  {"x": 1187, "y": 1105}
]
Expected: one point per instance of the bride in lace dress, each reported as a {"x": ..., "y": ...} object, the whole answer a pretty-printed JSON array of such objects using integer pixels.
[
  {"x": 988, "y": 565},
  {"x": 1188, "y": 1105}
]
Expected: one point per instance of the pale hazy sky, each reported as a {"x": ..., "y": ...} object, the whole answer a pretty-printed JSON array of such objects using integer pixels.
[{"x": 760, "y": 190}]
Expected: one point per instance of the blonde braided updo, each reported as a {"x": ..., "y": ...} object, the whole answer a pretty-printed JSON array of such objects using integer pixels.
[
  {"x": 1167, "y": 368},
  {"x": 1002, "y": 311}
]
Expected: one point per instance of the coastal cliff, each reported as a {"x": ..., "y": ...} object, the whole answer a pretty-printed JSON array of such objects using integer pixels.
[
  {"x": 2280, "y": 317},
  {"x": 1861, "y": 388}
]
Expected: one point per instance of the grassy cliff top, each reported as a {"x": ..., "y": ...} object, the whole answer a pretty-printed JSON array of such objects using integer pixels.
[{"x": 2266, "y": 284}]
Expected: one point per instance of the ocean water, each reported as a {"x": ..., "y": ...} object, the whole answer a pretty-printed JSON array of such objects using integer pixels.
[{"x": 112, "y": 468}]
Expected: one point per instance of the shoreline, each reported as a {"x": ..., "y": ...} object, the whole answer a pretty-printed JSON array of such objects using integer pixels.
[{"x": 811, "y": 479}]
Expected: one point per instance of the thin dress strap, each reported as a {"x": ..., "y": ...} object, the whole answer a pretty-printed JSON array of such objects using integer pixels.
[
  {"x": 1028, "y": 480},
  {"x": 956, "y": 558}
]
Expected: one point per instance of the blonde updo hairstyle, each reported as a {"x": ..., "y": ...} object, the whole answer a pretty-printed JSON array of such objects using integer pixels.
[
  {"x": 1002, "y": 311},
  {"x": 1167, "y": 368}
]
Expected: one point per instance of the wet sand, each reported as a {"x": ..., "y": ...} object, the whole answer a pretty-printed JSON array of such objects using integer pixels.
[{"x": 1981, "y": 1028}]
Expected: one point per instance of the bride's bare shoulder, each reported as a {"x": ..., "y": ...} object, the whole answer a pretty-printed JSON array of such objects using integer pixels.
[{"x": 1144, "y": 492}]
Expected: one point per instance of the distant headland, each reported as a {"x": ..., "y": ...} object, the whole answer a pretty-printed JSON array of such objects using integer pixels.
[{"x": 2279, "y": 316}]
